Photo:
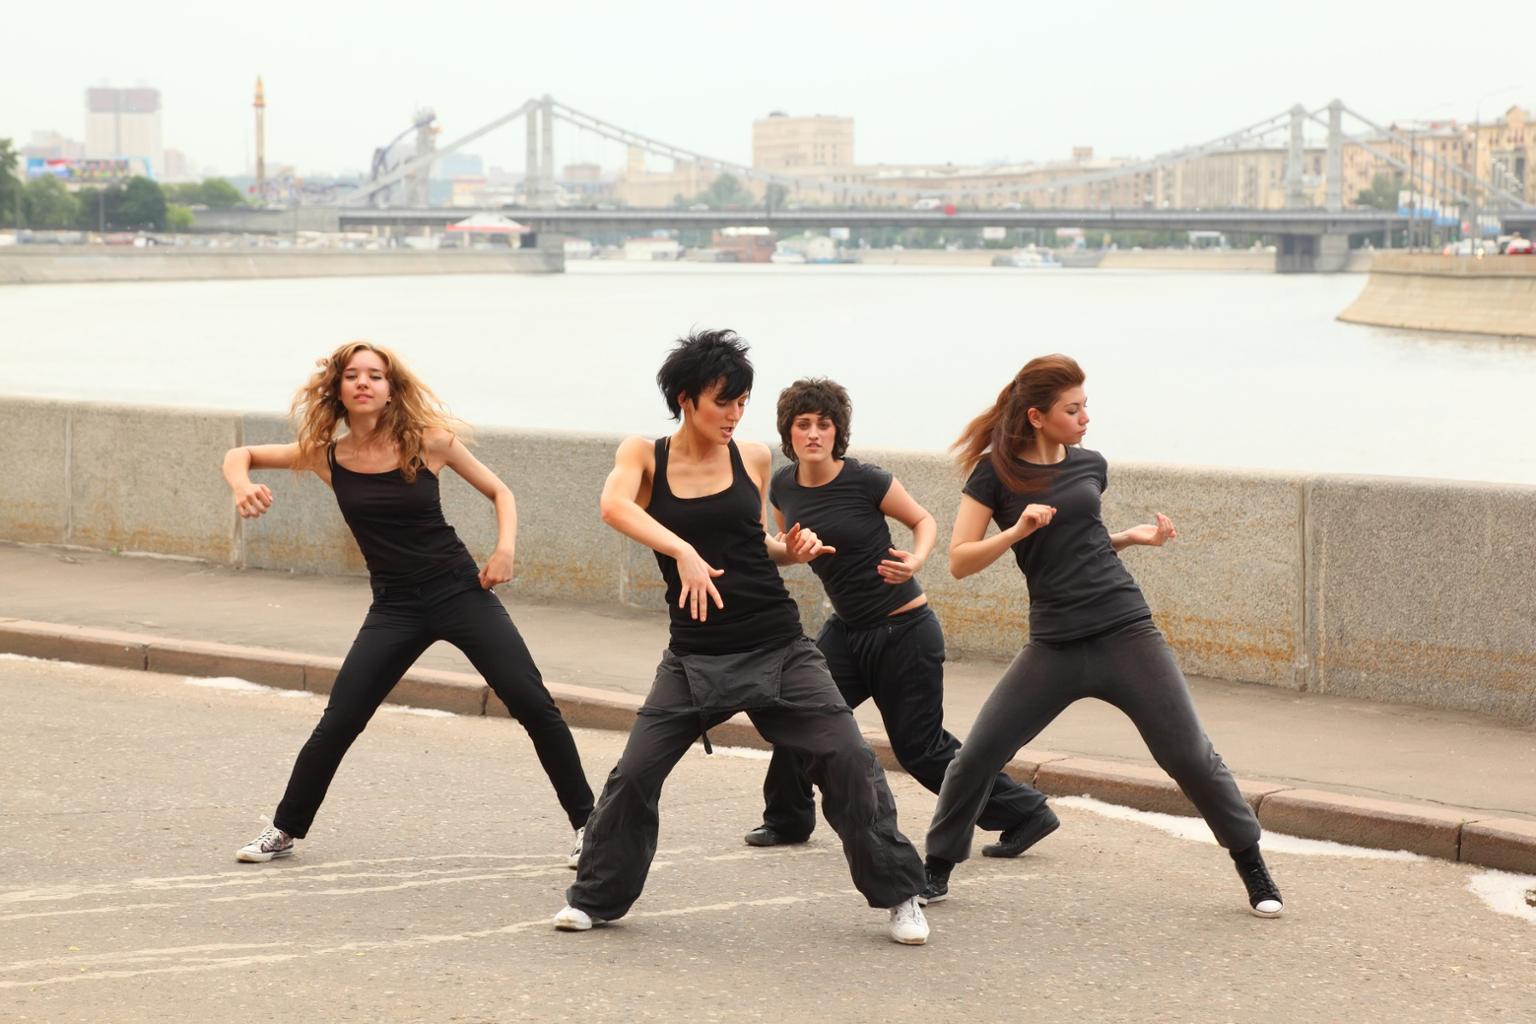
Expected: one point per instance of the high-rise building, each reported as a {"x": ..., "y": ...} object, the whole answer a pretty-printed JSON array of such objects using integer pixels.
[
  {"x": 795, "y": 144},
  {"x": 124, "y": 124}
]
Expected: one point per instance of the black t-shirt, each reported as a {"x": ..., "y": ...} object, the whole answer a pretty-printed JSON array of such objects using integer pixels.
[
  {"x": 1077, "y": 584},
  {"x": 845, "y": 514}
]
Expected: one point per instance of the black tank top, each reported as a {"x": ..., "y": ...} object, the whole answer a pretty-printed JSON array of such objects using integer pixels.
[
  {"x": 726, "y": 529},
  {"x": 398, "y": 525}
]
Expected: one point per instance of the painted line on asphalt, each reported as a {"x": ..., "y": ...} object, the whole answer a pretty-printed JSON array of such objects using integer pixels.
[{"x": 1197, "y": 831}]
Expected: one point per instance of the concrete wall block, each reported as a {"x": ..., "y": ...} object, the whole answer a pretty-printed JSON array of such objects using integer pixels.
[
  {"x": 303, "y": 530},
  {"x": 564, "y": 551},
  {"x": 1421, "y": 591},
  {"x": 1359, "y": 821},
  {"x": 34, "y": 463},
  {"x": 1508, "y": 844},
  {"x": 1225, "y": 591},
  {"x": 146, "y": 479}
]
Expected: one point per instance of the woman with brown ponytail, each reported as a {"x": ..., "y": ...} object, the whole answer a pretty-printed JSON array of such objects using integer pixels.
[
  {"x": 1090, "y": 630},
  {"x": 384, "y": 468}
]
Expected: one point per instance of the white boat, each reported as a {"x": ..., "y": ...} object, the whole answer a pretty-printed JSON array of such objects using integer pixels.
[{"x": 1034, "y": 259}]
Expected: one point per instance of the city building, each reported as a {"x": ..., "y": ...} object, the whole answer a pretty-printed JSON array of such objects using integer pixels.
[
  {"x": 800, "y": 144},
  {"x": 124, "y": 124}
]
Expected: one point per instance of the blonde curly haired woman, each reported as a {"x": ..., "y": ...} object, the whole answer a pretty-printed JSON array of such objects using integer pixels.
[{"x": 384, "y": 468}]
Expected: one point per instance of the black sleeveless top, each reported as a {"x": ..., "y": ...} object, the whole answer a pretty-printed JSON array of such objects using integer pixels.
[
  {"x": 398, "y": 525},
  {"x": 726, "y": 529}
]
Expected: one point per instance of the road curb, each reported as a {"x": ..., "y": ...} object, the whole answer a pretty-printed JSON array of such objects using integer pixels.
[{"x": 1447, "y": 833}]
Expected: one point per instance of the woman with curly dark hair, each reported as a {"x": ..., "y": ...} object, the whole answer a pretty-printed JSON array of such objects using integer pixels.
[
  {"x": 380, "y": 438},
  {"x": 883, "y": 642}
]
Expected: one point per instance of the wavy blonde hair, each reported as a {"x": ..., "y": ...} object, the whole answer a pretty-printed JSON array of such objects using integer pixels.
[{"x": 412, "y": 410}]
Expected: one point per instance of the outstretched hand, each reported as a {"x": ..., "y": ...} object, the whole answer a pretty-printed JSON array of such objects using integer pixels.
[
  {"x": 1153, "y": 534},
  {"x": 252, "y": 500},
  {"x": 803, "y": 545}
]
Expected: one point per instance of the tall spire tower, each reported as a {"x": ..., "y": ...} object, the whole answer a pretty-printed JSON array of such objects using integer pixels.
[{"x": 261, "y": 141}]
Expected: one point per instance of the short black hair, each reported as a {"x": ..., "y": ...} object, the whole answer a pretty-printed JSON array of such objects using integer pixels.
[
  {"x": 822, "y": 397},
  {"x": 700, "y": 360}
]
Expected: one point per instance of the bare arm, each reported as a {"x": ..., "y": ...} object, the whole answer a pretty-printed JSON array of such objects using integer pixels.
[
  {"x": 442, "y": 444},
  {"x": 633, "y": 463},
  {"x": 971, "y": 550},
  {"x": 902, "y": 507},
  {"x": 253, "y": 499}
]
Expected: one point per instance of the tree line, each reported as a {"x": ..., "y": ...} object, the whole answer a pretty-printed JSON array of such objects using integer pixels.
[{"x": 138, "y": 204}]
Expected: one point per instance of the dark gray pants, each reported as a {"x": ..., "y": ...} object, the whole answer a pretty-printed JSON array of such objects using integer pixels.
[
  {"x": 1131, "y": 668},
  {"x": 900, "y": 664},
  {"x": 791, "y": 699}
]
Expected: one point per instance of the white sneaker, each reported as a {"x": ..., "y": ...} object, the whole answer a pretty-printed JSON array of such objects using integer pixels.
[
  {"x": 574, "y": 857},
  {"x": 273, "y": 842},
  {"x": 908, "y": 926},
  {"x": 572, "y": 920}
]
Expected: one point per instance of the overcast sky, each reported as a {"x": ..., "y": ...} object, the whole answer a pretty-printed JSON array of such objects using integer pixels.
[{"x": 965, "y": 82}]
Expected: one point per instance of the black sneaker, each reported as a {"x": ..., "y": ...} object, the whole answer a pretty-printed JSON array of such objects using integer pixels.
[
  {"x": 1263, "y": 894},
  {"x": 936, "y": 888},
  {"x": 1023, "y": 835},
  {"x": 765, "y": 836}
]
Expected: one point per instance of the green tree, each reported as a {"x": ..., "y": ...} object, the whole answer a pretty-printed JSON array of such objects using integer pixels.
[
  {"x": 10, "y": 184},
  {"x": 48, "y": 204},
  {"x": 1382, "y": 195},
  {"x": 178, "y": 218},
  {"x": 725, "y": 192},
  {"x": 776, "y": 196},
  {"x": 220, "y": 194},
  {"x": 215, "y": 193},
  {"x": 139, "y": 205}
]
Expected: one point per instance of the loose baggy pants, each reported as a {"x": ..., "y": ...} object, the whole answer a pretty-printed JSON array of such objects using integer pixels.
[
  {"x": 898, "y": 663},
  {"x": 788, "y": 693}
]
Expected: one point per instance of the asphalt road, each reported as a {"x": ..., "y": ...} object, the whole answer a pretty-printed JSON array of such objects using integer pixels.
[{"x": 425, "y": 893}]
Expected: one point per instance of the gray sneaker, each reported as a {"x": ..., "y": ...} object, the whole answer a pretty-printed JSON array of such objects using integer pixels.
[
  {"x": 573, "y": 858},
  {"x": 273, "y": 842}
]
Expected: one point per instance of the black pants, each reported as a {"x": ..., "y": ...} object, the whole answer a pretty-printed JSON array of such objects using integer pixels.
[
  {"x": 790, "y": 697},
  {"x": 402, "y": 623},
  {"x": 1130, "y": 667},
  {"x": 899, "y": 664}
]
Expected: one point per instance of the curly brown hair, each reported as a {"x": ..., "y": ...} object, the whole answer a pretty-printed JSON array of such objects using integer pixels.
[
  {"x": 821, "y": 396},
  {"x": 413, "y": 408}
]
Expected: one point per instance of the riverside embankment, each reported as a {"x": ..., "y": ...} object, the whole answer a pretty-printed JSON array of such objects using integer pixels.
[
  {"x": 1494, "y": 295},
  {"x": 1384, "y": 588},
  {"x": 79, "y": 264}
]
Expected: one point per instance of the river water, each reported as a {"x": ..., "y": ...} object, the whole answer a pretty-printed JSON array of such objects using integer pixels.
[{"x": 1222, "y": 369}]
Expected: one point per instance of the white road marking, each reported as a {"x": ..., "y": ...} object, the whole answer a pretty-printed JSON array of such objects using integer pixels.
[
  {"x": 1505, "y": 893},
  {"x": 1196, "y": 830}
]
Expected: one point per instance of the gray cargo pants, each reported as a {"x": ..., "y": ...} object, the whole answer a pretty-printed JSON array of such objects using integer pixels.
[{"x": 788, "y": 693}]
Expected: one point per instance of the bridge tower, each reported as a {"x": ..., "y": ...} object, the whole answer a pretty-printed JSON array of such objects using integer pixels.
[
  {"x": 1295, "y": 182},
  {"x": 1335, "y": 199}
]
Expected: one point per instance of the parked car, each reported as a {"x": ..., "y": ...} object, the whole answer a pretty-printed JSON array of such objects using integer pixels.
[{"x": 1519, "y": 247}]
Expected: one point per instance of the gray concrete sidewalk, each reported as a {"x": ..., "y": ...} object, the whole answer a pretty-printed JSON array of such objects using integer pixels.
[{"x": 1473, "y": 767}]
